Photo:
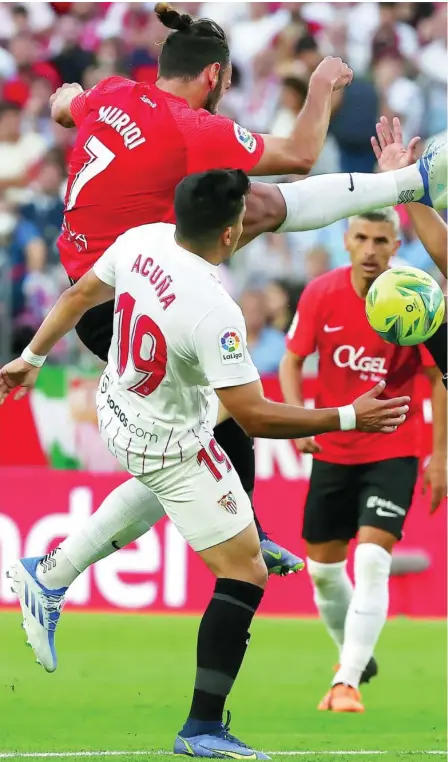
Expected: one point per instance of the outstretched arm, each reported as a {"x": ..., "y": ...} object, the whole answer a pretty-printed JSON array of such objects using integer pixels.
[
  {"x": 392, "y": 154},
  {"x": 259, "y": 417},
  {"x": 299, "y": 152}
]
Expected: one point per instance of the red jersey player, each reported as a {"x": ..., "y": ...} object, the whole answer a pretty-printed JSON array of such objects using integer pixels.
[
  {"x": 137, "y": 141},
  {"x": 360, "y": 484}
]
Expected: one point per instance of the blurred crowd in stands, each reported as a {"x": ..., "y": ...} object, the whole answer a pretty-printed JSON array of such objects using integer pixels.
[{"x": 398, "y": 54}]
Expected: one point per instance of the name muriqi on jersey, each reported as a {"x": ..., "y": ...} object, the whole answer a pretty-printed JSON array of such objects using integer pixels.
[{"x": 122, "y": 123}]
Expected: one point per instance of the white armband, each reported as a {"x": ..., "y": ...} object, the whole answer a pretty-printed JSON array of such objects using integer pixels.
[
  {"x": 32, "y": 359},
  {"x": 347, "y": 417}
]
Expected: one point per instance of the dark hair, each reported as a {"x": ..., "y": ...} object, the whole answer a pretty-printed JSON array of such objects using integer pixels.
[
  {"x": 192, "y": 45},
  {"x": 387, "y": 214},
  {"x": 206, "y": 204}
]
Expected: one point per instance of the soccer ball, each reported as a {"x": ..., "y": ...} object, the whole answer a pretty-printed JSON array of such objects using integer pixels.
[{"x": 405, "y": 306}]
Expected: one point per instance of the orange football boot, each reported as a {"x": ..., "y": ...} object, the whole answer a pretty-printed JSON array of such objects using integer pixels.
[{"x": 341, "y": 698}]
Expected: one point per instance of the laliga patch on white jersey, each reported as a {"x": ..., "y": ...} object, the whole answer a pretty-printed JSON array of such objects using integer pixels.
[
  {"x": 231, "y": 346},
  {"x": 245, "y": 137}
]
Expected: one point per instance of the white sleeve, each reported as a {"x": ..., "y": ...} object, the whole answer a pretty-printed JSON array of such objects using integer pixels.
[
  {"x": 104, "y": 267},
  {"x": 220, "y": 346}
]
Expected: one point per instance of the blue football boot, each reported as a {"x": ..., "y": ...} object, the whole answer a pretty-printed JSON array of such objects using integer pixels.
[
  {"x": 217, "y": 744},
  {"x": 41, "y": 609},
  {"x": 279, "y": 560}
]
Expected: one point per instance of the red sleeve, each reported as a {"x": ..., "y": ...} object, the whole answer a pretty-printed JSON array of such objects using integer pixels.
[
  {"x": 426, "y": 357},
  {"x": 89, "y": 100},
  {"x": 215, "y": 142},
  {"x": 79, "y": 107},
  {"x": 301, "y": 338}
]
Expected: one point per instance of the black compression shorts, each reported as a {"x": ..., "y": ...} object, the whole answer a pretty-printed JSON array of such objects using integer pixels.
[{"x": 343, "y": 498}]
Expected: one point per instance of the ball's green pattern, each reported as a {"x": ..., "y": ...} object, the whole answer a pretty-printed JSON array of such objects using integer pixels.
[{"x": 405, "y": 306}]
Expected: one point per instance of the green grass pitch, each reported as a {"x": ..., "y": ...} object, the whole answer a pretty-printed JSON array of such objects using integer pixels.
[{"x": 124, "y": 684}]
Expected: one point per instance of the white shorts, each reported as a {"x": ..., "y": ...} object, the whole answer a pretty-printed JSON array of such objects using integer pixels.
[{"x": 207, "y": 511}]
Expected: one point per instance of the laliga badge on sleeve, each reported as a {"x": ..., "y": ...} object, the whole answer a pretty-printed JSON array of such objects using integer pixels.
[
  {"x": 231, "y": 346},
  {"x": 245, "y": 137}
]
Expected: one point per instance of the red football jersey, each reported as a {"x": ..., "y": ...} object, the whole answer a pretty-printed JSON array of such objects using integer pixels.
[
  {"x": 331, "y": 318},
  {"x": 135, "y": 144}
]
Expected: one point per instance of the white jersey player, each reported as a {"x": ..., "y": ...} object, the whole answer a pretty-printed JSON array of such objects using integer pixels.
[
  {"x": 177, "y": 336},
  {"x": 178, "y": 339}
]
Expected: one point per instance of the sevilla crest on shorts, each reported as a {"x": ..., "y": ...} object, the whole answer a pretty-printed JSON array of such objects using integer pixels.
[{"x": 228, "y": 502}]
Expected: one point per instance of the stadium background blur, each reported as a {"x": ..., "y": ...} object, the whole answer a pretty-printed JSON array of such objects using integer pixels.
[{"x": 398, "y": 54}]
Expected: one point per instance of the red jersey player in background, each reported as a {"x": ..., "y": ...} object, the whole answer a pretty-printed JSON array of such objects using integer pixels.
[
  {"x": 135, "y": 142},
  {"x": 360, "y": 484}
]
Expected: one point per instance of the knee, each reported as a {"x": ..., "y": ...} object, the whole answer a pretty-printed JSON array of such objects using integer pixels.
[
  {"x": 260, "y": 572},
  {"x": 254, "y": 570},
  {"x": 372, "y": 562},
  {"x": 248, "y": 568},
  {"x": 325, "y": 575}
]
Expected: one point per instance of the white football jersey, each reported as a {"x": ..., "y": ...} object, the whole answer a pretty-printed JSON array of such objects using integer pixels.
[{"x": 177, "y": 336}]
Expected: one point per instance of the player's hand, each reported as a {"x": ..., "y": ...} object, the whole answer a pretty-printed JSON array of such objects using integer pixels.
[
  {"x": 333, "y": 71},
  {"x": 389, "y": 148},
  {"x": 308, "y": 445},
  {"x": 380, "y": 415},
  {"x": 74, "y": 88},
  {"x": 17, "y": 374},
  {"x": 435, "y": 477}
]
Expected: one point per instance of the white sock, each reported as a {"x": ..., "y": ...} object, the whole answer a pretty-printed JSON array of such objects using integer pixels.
[
  {"x": 126, "y": 514},
  {"x": 319, "y": 201},
  {"x": 367, "y": 612},
  {"x": 333, "y": 592}
]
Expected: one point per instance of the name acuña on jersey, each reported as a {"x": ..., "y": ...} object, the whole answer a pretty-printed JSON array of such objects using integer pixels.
[{"x": 157, "y": 277}]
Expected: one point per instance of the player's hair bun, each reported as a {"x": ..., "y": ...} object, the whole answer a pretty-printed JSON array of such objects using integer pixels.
[{"x": 171, "y": 18}]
